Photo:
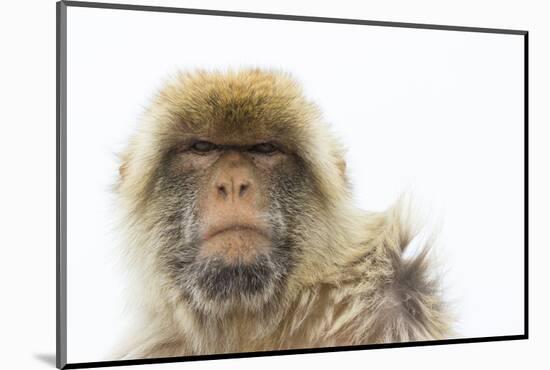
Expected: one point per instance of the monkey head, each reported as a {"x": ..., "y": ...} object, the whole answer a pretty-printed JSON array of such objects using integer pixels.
[{"x": 227, "y": 187}]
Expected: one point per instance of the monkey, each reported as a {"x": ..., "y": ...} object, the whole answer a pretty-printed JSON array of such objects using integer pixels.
[{"x": 241, "y": 233}]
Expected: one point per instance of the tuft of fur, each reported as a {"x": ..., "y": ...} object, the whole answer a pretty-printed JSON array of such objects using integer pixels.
[{"x": 351, "y": 283}]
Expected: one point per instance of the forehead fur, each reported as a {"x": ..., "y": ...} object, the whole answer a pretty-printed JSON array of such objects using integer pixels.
[
  {"x": 247, "y": 105},
  {"x": 239, "y": 107}
]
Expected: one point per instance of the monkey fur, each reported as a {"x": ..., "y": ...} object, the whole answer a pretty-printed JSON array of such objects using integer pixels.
[{"x": 338, "y": 276}]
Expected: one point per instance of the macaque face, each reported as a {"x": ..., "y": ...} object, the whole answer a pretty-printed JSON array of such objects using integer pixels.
[
  {"x": 224, "y": 182},
  {"x": 227, "y": 214}
]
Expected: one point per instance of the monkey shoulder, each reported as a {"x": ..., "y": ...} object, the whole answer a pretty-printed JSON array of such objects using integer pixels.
[{"x": 384, "y": 296}]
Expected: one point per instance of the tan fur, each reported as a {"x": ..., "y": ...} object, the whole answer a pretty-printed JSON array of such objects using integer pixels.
[{"x": 351, "y": 286}]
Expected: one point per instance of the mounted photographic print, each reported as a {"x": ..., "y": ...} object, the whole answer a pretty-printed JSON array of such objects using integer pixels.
[{"x": 240, "y": 184}]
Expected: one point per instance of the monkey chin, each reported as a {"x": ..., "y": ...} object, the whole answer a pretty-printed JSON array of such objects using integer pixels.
[{"x": 235, "y": 271}]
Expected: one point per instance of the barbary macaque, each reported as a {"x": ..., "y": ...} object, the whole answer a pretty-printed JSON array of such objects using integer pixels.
[{"x": 242, "y": 235}]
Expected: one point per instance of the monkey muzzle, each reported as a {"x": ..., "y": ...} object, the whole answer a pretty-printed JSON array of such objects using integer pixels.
[{"x": 235, "y": 243}]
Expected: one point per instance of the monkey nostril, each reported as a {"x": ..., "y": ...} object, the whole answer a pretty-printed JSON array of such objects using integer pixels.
[
  {"x": 243, "y": 189},
  {"x": 222, "y": 190}
]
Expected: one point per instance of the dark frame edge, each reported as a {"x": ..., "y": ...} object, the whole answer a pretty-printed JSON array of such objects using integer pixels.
[
  {"x": 61, "y": 179},
  {"x": 288, "y": 17},
  {"x": 526, "y": 181},
  {"x": 145, "y": 361}
]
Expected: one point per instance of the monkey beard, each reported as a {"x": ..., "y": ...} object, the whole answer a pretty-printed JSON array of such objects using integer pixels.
[
  {"x": 216, "y": 287},
  {"x": 210, "y": 284}
]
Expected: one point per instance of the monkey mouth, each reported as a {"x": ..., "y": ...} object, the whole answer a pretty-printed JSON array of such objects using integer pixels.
[
  {"x": 239, "y": 228},
  {"x": 235, "y": 243}
]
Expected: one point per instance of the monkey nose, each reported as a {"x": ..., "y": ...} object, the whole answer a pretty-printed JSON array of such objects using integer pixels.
[{"x": 233, "y": 189}]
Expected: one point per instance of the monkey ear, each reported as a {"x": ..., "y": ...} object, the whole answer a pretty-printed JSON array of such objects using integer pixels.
[
  {"x": 123, "y": 169},
  {"x": 342, "y": 167}
]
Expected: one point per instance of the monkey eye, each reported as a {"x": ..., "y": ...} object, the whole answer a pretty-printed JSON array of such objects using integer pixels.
[
  {"x": 263, "y": 148},
  {"x": 203, "y": 146}
]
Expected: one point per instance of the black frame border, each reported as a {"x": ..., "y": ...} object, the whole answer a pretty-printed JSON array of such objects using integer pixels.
[
  {"x": 61, "y": 186},
  {"x": 61, "y": 182}
]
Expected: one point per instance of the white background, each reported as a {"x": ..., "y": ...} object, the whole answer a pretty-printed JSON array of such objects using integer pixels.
[
  {"x": 28, "y": 196},
  {"x": 437, "y": 112}
]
